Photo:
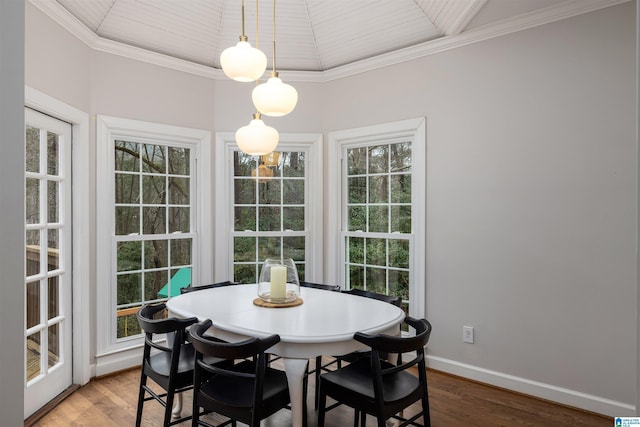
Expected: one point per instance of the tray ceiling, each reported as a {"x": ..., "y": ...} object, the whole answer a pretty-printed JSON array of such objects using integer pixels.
[{"x": 312, "y": 35}]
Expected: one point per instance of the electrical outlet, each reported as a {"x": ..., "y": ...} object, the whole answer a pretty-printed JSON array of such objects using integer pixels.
[{"x": 467, "y": 334}]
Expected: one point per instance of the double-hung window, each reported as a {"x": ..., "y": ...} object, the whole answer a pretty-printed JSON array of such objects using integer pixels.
[
  {"x": 270, "y": 208},
  {"x": 150, "y": 220},
  {"x": 379, "y": 173}
]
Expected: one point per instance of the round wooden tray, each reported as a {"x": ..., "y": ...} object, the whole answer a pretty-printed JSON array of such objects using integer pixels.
[{"x": 260, "y": 303}]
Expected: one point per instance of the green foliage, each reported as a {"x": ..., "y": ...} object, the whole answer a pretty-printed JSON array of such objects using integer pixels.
[
  {"x": 152, "y": 196},
  {"x": 379, "y": 201},
  {"x": 274, "y": 202}
]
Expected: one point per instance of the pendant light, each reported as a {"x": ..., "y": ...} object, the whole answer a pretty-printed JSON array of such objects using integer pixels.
[
  {"x": 274, "y": 98},
  {"x": 243, "y": 62},
  {"x": 257, "y": 138}
]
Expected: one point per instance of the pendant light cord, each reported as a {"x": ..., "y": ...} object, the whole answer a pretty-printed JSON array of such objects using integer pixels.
[
  {"x": 243, "y": 35},
  {"x": 257, "y": 114},
  {"x": 256, "y": 24},
  {"x": 274, "y": 37}
]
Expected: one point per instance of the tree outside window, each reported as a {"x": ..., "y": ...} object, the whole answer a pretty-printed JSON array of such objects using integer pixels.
[
  {"x": 378, "y": 218},
  {"x": 152, "y": 226},
  {"x": 269, "y": 211}
]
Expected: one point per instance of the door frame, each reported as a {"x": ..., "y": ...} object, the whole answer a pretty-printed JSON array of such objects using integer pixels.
[{"x": 80, "y": 204}]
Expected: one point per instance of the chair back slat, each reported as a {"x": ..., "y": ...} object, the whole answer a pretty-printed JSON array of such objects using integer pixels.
[
  {"x": 397, "y": 301},
  {"x": 228, "y": 350},
  {"x": 334, "y": 288},
  {"x": 192, "y": 288},
  {"x": 164, "y": 325}
]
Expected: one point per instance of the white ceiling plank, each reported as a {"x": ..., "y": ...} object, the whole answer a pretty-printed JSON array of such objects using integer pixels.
[
  {"x": 90, "y": 13},
  {"x": 456, "y": 15},
  {"x": 323, "y": 36}
]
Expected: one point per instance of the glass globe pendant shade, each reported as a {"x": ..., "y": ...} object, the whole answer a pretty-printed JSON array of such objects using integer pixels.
[
  {"x": 243, "y": 62},
  {"x": 274, "y": 98},
  {"x": 257, "y": 138}
]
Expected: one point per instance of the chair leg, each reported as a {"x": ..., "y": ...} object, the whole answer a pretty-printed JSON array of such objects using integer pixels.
[
  {"x": 317, "y": 375},
  {"x": 195, "y": 411},
  {"x": 143, "y": 382},
  {"x": 169, "y": 408},
  {"x": 304, "y": 400},
  {"x": 322, "y": 403},
  {"x": 426, "y": 416}
]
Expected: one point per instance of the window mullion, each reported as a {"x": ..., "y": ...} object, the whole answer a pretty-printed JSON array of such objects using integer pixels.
[{"x": 273, "y": 234}]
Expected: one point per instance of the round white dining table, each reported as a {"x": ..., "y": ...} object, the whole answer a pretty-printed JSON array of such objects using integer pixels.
[{"x": 323, "y": 324}]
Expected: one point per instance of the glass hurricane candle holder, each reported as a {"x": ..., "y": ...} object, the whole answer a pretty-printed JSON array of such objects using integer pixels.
[{"x": 279, "y": 282}]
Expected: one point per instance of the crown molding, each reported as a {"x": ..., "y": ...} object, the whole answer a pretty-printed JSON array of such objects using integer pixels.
[
  {"x": 496, "y": 29},
  {"x": 69, "y": 22},
  {"x": 455, "y": 18}
]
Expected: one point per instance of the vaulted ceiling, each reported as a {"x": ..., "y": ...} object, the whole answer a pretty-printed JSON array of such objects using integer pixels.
[{"x": 312, "y": 35}]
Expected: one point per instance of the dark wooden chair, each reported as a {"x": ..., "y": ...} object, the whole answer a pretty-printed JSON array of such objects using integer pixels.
[
  {"x": 338, "y": 360},
  {"x": 335, "y": 288},
  {"x": 246, "y": 390},
  {"x": 318, "y": 362},
  {"x": 172, "y": 367},
  {"x": 374, "y": 386},
  {"x": 192, "y": 288},
  {"x": 397, "y": 301}
]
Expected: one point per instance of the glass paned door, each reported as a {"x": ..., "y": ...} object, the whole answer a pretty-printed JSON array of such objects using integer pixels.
[{"x": 47, "y": 343}]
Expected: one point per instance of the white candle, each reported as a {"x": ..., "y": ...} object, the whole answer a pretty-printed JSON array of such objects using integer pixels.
[{"x": 278, "y": 282}]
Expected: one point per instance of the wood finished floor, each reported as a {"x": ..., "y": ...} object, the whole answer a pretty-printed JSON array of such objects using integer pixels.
[{"x": 111, "y": 401}]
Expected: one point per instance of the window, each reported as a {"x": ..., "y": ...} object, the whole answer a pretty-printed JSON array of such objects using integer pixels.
[
  {"x": 268, "y": 212},
  {"x": 380, "y": 174},
  {"x": 378, "y": 229},
  {"x": 274, "y": 204},
  {"x": 153, "y": 236},
  {"x": 151, "y": 220}
]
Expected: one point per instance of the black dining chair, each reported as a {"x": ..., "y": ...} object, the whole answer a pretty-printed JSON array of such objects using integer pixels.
[
  {"x": 377, "y": 387},
  {"x": 318, "y": 362},
  {"x": 391, "y": 299},
  {"x": 172, "y": 367},
  {"x": 192, "y": 288},
  {"x": 245, "y": 390},
  {"x": 339, "y": 360},
  {"x": 334, "y": 288}
]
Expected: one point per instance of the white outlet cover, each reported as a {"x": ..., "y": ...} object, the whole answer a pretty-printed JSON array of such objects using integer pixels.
[{"x": 467, "y": 334}]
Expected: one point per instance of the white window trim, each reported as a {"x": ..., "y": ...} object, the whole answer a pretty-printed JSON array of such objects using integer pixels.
[
  {"x": 415, "y": 131},
  {"x": 111, "y": 354},
  {"x": 80, "y": 161},
  {"x": 225, "y": 146}
]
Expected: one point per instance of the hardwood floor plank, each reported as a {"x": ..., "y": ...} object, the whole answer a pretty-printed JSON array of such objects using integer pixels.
[{"x": 454, "y": 401}]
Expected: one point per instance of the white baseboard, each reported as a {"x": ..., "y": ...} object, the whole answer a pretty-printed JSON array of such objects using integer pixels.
[
  {"x": 550, "y": 392},
  {"x": 117, "y": 361}
]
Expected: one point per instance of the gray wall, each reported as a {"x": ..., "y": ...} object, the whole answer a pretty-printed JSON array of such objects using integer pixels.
[
  {"x": 12, "y": 202},
  {"x": 531, "y": 187},
  {"x": 531, "y": 196},
  {"x": 62, "y": 73}
]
